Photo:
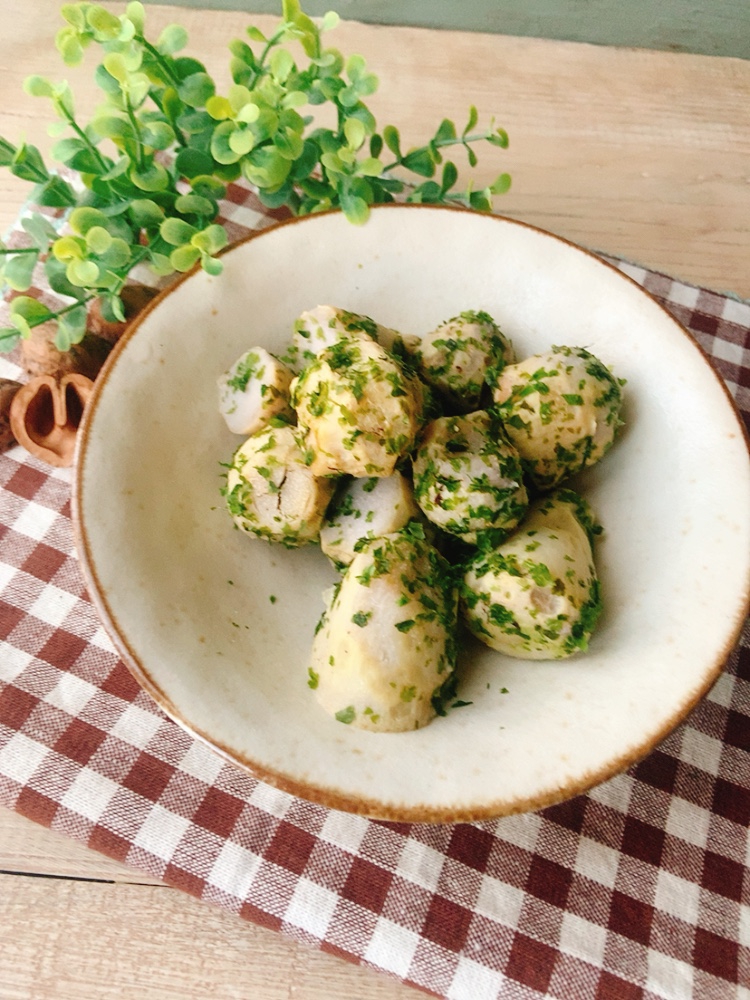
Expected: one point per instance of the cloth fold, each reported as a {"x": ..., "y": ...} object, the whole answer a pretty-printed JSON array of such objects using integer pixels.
[{"x": 640, "y": 888}]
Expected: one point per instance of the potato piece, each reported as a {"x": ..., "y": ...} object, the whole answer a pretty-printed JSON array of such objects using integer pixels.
[
  {"x": 271, "y": 491},
  {"x": 468, "y": 477},
  {"x": 365, "y": 509},
  {"x": 320, "y": 328},
  {"x": 359, "y": 411},
  {"x": 254, "y": 389},
  {"x": 460, "y": 355},
  {"x": 386, "y": 643},
  {"x": 537, "y": 596},
  {"x": 561, "y": 410}
]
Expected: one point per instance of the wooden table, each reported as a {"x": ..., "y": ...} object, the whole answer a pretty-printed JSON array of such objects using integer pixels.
[{"x": 640, "y": 154}]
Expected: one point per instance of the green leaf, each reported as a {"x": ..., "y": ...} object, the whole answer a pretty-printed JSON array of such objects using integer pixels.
[
  {"x": 219, "y": 108},
  {"x": 354, "y": 131},
  {"x": 211, "y": 265},
  {"x": 54, "y": 193},
  {"x": 498, "y": 138},
  {"x": 146, "y": 213},
  {"x": 176, "y": 231},
  {"x": 173, "y": 39},
  {"x": 330, "y": 21},
  {"x": 71, "y": 328},
  {"x": 74, "y": 14},
  {"x": 68, "y": 44},
  {"x": 111, "y": 126},
  {"x": 193, "y": 204},
  {"x": 446, "y": 131},
  {"x": 473, "y": 119},
  {"x": 18, "y": 270},
  {"x": 281, "y": 64},
  {"x": 136, "y": 14},
  {"x": 39, "y": 229},
  {"x": 183, "y": 258},
  {"x": 84, "y": 273},
  {"x": 28, "y": 164},
  {"x": 68, "y": 248},
  {"x": 241, "y": 141},
  {"x": 449, "y": 178},
  {"x": 158, "y": 135},
  {"x": 501, "y": 184},
  {"x": 98, "y": 240},
  {"x": 57, "y": 279},
  {"x": 289, "y": 144},
  {"x": 196, "y": 89},
  {"x": 106, "y": 82},
  {"x": 116, "y": 257},
  {"x": 221, "y": 147},
  {"x": 84, "y": 218},
  {"x": 7, "y": 152},
  {"x": 9, "y": 337},
  {"x": 32, "y": 310},
  {"x": 115, "y": 65},
  {"x": 355, "y": 208},
  {"x": 106, "y": 26},
  {"x": 22, "y": 326},
  {"x": 255, "y": 34},
  {"x": 211, "y": 239},
  {"x": 119, "y": 168},
  {"x": 420, "y": 161},
  {"x": 38, "y": 86},
  {"x": 160, "y": 264},
  {"x": 392, "y": 140},
  {"x": 153, "y": 178},
  {"x": 193, "y": 163},
  {"x": 266, "y": 167}
]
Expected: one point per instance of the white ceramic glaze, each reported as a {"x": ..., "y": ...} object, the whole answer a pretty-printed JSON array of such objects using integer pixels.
[{"x": 189, "y": 600}]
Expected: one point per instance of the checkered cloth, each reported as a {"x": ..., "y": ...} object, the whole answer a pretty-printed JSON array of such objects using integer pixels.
[{"x": 640, "y": 889}]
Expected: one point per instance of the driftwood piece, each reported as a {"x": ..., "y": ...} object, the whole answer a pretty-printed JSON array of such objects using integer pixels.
[
  {"x": 8, "y": 389},
  {"x": 45, "y": 415}
]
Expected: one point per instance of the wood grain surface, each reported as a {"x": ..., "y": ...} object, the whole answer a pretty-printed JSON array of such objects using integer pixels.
[{"x": 637, "y": 153}]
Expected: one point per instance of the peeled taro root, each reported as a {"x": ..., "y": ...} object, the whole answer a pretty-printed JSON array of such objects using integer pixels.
[
  {"x": 561, "y": 410},
  {"x": 537, "y": 596},
  {"x": 385, "y": 650},
  {"x": 271, "y": 491}
]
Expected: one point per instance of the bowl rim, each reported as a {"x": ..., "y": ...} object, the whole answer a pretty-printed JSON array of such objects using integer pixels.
[{"x": 358, "y": 804}]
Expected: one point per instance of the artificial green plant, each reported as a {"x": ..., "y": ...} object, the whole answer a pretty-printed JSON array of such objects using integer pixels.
[{"x": 151, "y": 165}]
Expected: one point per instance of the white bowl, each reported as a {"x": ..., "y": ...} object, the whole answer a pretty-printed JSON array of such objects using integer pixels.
[{"x": 217, "y": 626}]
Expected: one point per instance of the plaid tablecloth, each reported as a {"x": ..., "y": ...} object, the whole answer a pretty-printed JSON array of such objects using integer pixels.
[{"x": 640, "y": 889}]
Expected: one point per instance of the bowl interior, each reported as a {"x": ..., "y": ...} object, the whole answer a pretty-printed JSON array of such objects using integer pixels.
[{"x": 218, "y": 626}]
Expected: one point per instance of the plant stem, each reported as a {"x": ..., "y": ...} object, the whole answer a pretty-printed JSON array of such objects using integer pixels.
[
  {"x": 463, "y": 140},
  {"x": 84, "y": 138},
  {"x": 9, "y": 251}
]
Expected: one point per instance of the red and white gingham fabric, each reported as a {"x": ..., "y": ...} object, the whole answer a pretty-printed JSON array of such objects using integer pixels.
[{"x": 640, "y": 889}]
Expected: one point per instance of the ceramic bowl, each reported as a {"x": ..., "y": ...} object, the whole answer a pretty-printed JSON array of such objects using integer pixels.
[{"x": 217, "y": 626}]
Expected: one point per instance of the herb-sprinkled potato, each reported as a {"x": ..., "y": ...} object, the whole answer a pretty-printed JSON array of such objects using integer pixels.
[
  {"x": 358, "y": 409},
  {"x": 468, "y": 477},
  {"x": 462, "y": 354},
  {"x": 271, "y": 491},
  {"x": 364, "y": 509},
  {"x": 561, "y": 410},
  {"x": 385, "y": 648},
  {"x": 319, "y": 328},
  {"x": 254, "y": 389},
  {"x": 537, "y": 596}
]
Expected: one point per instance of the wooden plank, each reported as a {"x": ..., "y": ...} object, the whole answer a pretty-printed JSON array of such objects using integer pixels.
[
  {"x": 637, "y": 153},
  {"x": 27, "y": 848},
  {"x": 67, "y": 940},
  {"x": 709, "y": 28}
]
